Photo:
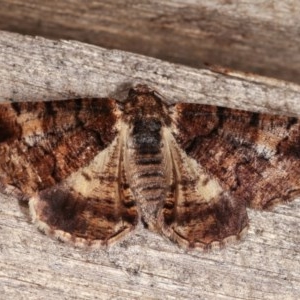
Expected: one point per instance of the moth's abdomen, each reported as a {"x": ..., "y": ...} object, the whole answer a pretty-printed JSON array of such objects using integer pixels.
[
  {"x": 147, "y": 166},
  {"x": 148, "y": 178},
  {"x": 148, "y": 172}
]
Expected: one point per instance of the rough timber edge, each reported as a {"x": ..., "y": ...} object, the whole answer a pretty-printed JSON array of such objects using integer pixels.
[
  {"x": 54, "y": 79},
  {"x": 252, "y": 77}
]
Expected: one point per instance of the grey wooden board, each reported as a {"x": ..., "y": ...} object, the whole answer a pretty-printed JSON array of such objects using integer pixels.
[
  {"x": 258, "y": 36},
  {"x": 265, "y": 265}
]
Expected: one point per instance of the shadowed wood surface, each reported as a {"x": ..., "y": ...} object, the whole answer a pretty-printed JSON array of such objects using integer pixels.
[
  {"x": 256, "y": 36},
  {"x": 265, "y": 265}
]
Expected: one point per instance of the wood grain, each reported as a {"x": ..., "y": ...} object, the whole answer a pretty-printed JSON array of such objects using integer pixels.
[
  {"x": 32, "y": 266},
  {"x": 261, "y": 37}
]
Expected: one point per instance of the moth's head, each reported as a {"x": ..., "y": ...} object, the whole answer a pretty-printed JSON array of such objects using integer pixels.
[
  {"x": 143, "y": 103},
  {"x": 141, "y": 89}
]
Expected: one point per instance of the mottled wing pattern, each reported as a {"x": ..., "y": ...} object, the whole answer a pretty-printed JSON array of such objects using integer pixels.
[
  {"x": 61, "y": 152},
  {"x": 247, "y": 159},
  {"x": 198, "y": 211},
  {"x": 90, "y": 166},
  {"x": 44, "y": 142}
]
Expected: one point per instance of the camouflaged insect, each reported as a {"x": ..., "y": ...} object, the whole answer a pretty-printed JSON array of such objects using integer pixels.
[{"x": 92, "y": 169}]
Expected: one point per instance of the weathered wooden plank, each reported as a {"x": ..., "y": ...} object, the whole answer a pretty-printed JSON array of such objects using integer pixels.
[
  {"x": 266, "y": 265},
  {"x": 256, "y": 36}
]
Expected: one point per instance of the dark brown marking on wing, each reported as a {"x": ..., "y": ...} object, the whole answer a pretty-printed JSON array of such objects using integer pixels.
[
  {"x": 289, "y": 146},
  {"x": 212, "y": 222},
  {"x": 254, "y": 120},
  {"x": 205, "y": 182},
  {"x": 291, "y": 121},
  {"x": 98, "y": 210},
  {"x": 201, "y": 122},
  {"x": 194, "y": 223},
  {"x": 86, "y": 176},
  {"x": 255, "y": 156},
  {"x": 42, "y": 143},
  {"x": 9, "y": 129},
  {"x": 16, "y": 107}
]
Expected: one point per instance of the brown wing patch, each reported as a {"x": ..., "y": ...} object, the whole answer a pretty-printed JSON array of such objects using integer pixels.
[
  {"x": 197, "y": 211},
  {"x": 93, "y": 205},
  {"x": 254, "y": 156},
  {"x": 44, "y": 142}
]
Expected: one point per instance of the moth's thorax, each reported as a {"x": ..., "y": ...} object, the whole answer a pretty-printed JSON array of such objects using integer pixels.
[{"x": 143, "y": 103}]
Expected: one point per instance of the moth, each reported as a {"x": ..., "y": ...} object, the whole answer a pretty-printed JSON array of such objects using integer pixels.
[{"x": 93, "y": 169}]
